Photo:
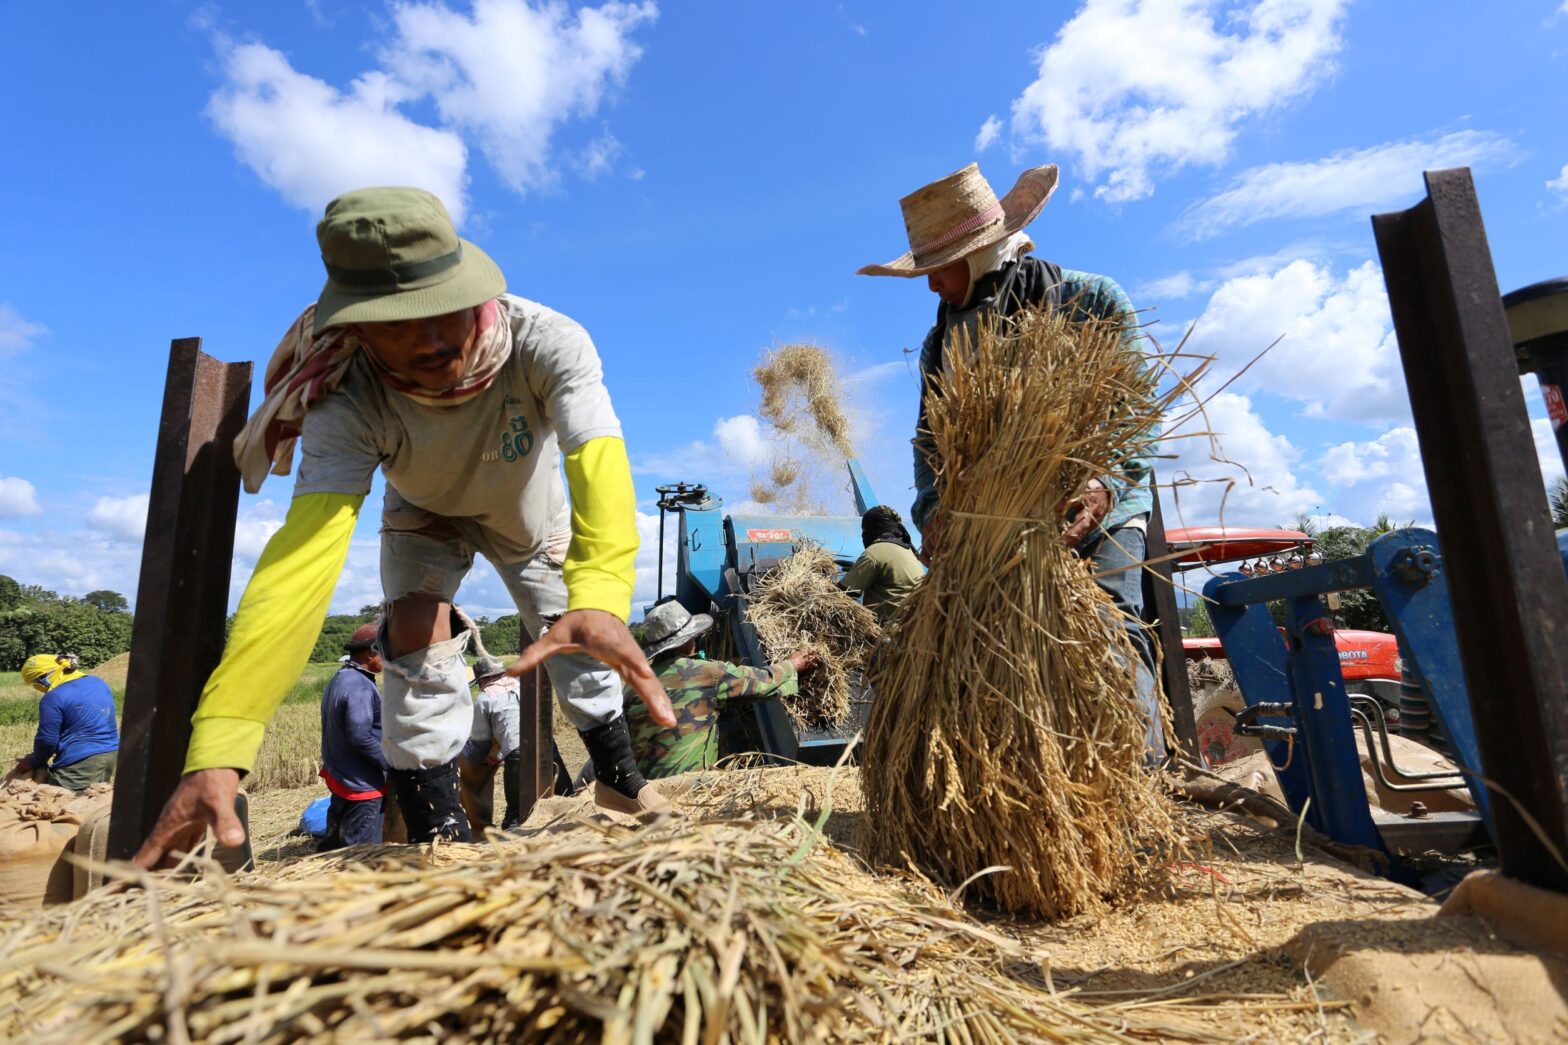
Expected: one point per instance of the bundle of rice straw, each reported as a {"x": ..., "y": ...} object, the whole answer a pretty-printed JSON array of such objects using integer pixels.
[
  {"x": 710, "y": 932},
  {"x": 798, "y": 605},
  {"x": 1005, "y": 743}
]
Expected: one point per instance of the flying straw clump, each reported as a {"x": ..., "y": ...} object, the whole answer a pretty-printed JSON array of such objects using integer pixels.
[
  {"x": 798, "y": 605},
  {"x": 800, "y": 387},
  {"x": 1005, "y": 744}
]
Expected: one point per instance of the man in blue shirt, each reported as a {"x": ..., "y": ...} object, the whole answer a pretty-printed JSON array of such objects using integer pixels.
[
  {"x": 77, "y": 738},
  {"x": 351, "y": 759},
  {"x": 977, "y": 259}
]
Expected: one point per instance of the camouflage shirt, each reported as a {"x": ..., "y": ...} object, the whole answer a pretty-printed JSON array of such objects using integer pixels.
[{"x": 698, "y": 690}]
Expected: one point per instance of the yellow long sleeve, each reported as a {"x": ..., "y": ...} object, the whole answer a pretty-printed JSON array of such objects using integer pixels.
[
  {"x": 601, "y": 565},
  {"x": 275, "y": 629}
]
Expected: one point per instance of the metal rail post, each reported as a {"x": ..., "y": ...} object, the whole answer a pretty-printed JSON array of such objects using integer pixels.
[
  {"x": 182, "y": 597},
  {"x": 534, "y": 716},
  {"x": 1159, "y": 600},
  {"x": 1509, "y": 592}
]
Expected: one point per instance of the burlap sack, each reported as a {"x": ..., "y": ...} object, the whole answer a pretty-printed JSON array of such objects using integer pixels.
[
  {"x": 38, "y": 825},
  {"x": 92, "y": 844}
]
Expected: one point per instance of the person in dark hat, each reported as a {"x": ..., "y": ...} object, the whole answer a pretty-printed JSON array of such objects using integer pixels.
[
  {"x": 475, "y": 405},
  {"x": 888, "y": 570},
  {"x": 698, "y": 691},
  {"x": 351, "y": 760},
  {"x": 977, "y": 259}
]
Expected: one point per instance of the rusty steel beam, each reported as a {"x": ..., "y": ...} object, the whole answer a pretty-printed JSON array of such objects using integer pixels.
[
  {"x": 535, "y": 695},
  {"x": 1159, "y": 608},
  {"x": 1509, "y": 592},
  {"x": 182, "y": 597}
]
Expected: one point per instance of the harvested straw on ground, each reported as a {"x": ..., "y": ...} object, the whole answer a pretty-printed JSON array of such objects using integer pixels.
[
  {"x": 685, "y": 930},
  {"x": 1004, "y": 744},
  {"x": 798, "y": 605}
]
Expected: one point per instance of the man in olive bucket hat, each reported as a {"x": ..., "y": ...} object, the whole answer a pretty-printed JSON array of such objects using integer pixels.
[
  {"x": 976, "y": 258},
  {"x": 415, "y": 360}
]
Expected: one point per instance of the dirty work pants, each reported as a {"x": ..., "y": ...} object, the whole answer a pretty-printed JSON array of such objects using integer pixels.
[
  {"x": 82, "y": 774},
  {"x": 352, "y": 821},
  {"x": 427, "y": 710},
  {"x": 1111, "y": 550}
]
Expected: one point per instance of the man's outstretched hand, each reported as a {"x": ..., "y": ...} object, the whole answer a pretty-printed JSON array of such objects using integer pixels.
[
  {"x": 204, "y": 799},
  {"x": 604, "y": 637}
]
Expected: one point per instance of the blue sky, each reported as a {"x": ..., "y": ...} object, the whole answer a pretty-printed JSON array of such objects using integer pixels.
[{"x": 698, "y": 182}]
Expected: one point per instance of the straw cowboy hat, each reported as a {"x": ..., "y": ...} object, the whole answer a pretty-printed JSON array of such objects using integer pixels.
[
  {"x": 668, "y": 625},
  {"x": 960, "y": 214},
  {"x": 392, "y": 254}
]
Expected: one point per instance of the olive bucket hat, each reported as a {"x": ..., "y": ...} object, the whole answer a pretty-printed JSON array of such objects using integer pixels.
[{"x": 392, "y": 254}]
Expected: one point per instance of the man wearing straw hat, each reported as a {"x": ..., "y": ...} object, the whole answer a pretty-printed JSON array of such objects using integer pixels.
[
  {"x": 416, "y": 361},
  {"x": 976, "y": 258},
  {"x": 698, "y": 691}
]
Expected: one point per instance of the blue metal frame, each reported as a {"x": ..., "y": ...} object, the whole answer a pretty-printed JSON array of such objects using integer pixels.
[
  {"x": 1320, "y": 762},
  {"x": 716, "y": 551}
]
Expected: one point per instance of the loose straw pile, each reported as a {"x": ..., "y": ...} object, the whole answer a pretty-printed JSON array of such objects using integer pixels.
[
  {"x": 710, "y": 932},
  {"x": 1005, "y": 745},
  {"x": 798, "y": 605}
]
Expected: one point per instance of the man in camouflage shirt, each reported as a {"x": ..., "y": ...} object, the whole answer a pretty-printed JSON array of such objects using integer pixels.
[{"x": 698, "y": 689}]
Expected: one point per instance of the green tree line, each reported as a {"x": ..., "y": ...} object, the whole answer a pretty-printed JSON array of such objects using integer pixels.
[{"x": 33, "y": 619}]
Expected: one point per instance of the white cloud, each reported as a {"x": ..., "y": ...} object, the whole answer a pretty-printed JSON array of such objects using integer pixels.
[
  {"x": 1358, "y": 179},
  {"x": 1132, "y": 87},
  {"x": 16, "y": 333},
  {"x": 124, "y": 518},
  {"x": 1245, "y": 477},
  {"x": 17, "y": 497},
  {"x": 990, "y": 130},
  {"x": 71, "y": 562},
  {"x": 1558, "y": 185},
  {"x": 1393, "y": 453},
  {"x": 1336, "y": 355},
  {"x": 253, "y": 528},
  {"x": 511, "y": 72},
  {"x": 1381, "y": 476},
  {"x": 854, "y": 27},
  {"x": 600, "y": 155},
  {"x": 1546, "y": 448},
  {"x": 1173, "y": 287},
  {"x": 507, "y": 76},
  {"x": 310, "y": 141}
]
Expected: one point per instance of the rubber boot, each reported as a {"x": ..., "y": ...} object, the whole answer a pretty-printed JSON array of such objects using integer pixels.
[
  {"x": 619, "y": 786},
  {"x": 511, "y": 787},
  {"x": 430, "y": 804}
]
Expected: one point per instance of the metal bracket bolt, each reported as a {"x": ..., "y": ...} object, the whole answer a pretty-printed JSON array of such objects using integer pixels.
[{"x": 1416, "y": 564}]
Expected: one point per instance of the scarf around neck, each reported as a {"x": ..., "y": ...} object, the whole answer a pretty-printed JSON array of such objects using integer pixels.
[{"x": 304, "y": 368}]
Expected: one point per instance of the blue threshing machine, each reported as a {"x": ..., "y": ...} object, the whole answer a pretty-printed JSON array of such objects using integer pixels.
[{"x": 718, "y": 557}]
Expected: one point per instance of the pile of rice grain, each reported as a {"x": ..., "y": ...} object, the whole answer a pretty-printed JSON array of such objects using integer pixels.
[
  {"x": 799, "y": 605},
  {"x": 1005, "y": 747}
]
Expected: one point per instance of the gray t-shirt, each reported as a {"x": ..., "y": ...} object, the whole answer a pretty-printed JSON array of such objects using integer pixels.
[{"x": 491, "y": 465}]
